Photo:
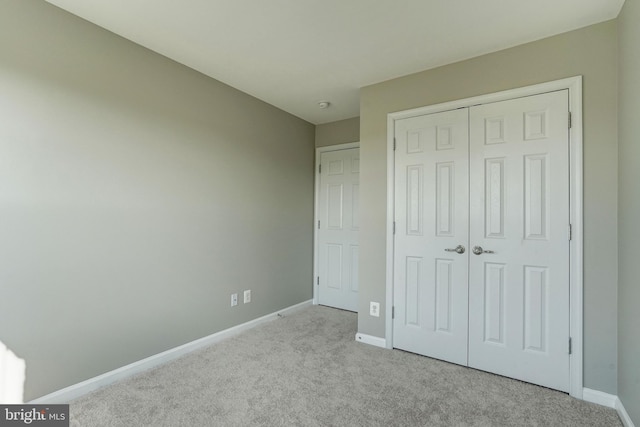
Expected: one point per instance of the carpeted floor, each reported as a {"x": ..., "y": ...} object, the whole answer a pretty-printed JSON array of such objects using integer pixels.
[{"x": 307, "y": 370}]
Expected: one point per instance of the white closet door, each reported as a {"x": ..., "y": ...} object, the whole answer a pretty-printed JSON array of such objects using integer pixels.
[
  {"x": 519, "y": 216},
  {"x": 430, "y": 278},
  {"x": 338, "y": 231}
]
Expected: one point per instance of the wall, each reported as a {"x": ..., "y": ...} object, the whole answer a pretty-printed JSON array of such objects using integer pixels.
[
  {"x": 135, "y": 196},
  {"x": 339, "y": 132},
  {"x": 590, "y": 52},
  {"x": 629, "y": 211}
]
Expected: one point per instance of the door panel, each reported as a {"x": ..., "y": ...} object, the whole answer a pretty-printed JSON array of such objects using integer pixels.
[
  {"x": 430, "y": 291},
  {"x": 338, "y": 233},
  {"x": 519, "y": 209}
]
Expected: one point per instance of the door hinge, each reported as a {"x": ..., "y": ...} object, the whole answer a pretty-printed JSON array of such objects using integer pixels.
[
  {"x": 394, "y": 227},
  {"x": 570, "y": 232},
  {"x": 318, "y": 224},
  {"x": 319, "y": 168},
  {"x": 570, "y": 120},
  {"x": 394, "y": 143},
  {"x": 318, "y": 280},
  {"x": 393, "y": 312},
  {"x": 570, "y": 349}
]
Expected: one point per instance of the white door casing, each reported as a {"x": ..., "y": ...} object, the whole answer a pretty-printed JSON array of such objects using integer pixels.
[
  {"x": 432, "y": 194},
  {"x": 337, "y": 228},
  {"x": 549, "y": 214},
  {"x": 519, "y": 210}
]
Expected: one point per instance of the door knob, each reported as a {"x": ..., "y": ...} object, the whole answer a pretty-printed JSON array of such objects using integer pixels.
[
  {"x": 479, "y": 251},
  {"x": 459, "y": 249}
]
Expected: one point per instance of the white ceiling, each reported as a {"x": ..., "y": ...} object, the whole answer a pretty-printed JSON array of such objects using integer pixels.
[{"x": 295, "y": 53}]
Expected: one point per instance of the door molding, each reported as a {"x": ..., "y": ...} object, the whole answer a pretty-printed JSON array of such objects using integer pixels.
[
  {"x": 316, "y": 204},
  {"x": 574, "y": 86}
]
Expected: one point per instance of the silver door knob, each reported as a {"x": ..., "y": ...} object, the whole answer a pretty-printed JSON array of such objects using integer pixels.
[
  {"x": 479, "y": 251},
  {"x": 459, "y": 249}
]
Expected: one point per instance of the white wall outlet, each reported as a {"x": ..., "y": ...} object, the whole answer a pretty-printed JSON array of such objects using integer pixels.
[
  {"x": 374, "y": 309},
  {"x": 247, "y": 296},
  {"x": 234, "y": 300}
]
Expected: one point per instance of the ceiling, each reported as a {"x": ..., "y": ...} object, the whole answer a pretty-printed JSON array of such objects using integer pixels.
[{"x": 295, "y": 53}]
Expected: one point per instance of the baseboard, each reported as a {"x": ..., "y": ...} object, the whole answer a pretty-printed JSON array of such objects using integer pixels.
[
  {"x": 371, "y": 340},
  {"x": 610, "y": 401},
  {"x": 75, "y": 391},
  {"x": 623, "y": 414},
  {"x": 599, "y": 397}
]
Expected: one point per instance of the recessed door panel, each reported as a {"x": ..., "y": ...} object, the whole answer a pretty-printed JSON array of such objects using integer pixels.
[
  {"x": 412, "y": 290},
  {"x": 335, "y": 199},
  {"x": 494, "y": 200},
  {"x": 445, "y": 189},
  {"x": 354, "y": 265},
  {"x": 415, "y": 185},
  {"x": 494, "y": 296},
  {"x": 444, "y": 284},
  {"x": 536, "y": 203},
  {"x": 355, "y": 207},
  {"x": 535, "y": 308},
  {"x": 334, "y": 266}
]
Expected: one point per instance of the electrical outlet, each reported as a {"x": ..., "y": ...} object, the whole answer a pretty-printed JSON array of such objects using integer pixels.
[
  {"x": 374, "y": 309},
  {"x": 234, "y": 300},
  {"x": 247, "y": 296}
]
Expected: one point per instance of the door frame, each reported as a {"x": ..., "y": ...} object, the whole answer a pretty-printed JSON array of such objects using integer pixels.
[
  {"x": 316, "y": 213},
  {"x": 574, "y": 86}
]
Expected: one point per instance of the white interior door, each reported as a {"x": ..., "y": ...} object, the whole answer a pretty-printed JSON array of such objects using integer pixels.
[
  {"x": 519, "y": 292},
  {"x": 492, "y": 178},
  {"x": 430, "y": 292},
  {"x": 338, "y": 213}
]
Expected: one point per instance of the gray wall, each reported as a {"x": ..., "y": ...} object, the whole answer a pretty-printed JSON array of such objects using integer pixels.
[
  {"x": 135, "y": 196},
  {"x": 590, "y": 52},
  {"x": 629, "y": 211},
  {"x": 339, "y": 132}
]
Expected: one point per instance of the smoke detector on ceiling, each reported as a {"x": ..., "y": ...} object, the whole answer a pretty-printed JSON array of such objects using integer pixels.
[{"x": 324, "y": 104}]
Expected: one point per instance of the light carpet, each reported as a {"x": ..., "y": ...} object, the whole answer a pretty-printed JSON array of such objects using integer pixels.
[{"x": 307, "y": 370}]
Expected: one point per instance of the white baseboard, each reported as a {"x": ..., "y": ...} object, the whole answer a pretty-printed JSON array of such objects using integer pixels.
[
  {"x": 371, "y": 340},
  {"x": 623, "y": 414},
  {"x": 610, "y": 401},
  {"x": 599, "y": 397},
  {"x": 67, "y": 394}
]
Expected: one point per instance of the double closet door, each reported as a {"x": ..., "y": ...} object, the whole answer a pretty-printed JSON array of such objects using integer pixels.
[{"x": 481, "y": 249}]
